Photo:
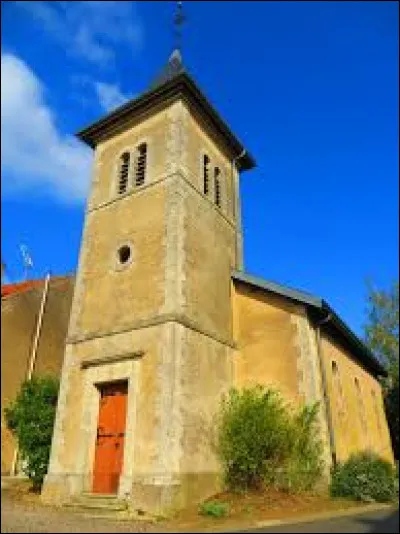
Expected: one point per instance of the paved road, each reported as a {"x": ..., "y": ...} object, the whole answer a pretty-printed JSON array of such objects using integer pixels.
[{"x": 379, "y": 522}]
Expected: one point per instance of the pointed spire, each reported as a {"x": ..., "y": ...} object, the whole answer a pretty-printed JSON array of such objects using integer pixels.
[{"x": 175, "y": 63}]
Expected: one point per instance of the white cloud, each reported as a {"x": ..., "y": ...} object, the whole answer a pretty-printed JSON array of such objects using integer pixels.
[
  {"x": 35, "y": 155},
  {"x": 89, "y": 29},
  {"x": 109, "y": 95}
]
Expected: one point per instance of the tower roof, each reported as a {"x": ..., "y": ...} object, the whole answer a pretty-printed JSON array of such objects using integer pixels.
[
  {"x": 171, "y": 69},
  {"x": 171, "y": 84}
]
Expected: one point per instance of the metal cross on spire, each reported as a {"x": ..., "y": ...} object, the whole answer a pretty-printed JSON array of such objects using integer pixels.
[{"x": 179, "y": 19}]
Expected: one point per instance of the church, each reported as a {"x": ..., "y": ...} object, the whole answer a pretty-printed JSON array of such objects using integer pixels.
[{"x": 164, "y": 320}]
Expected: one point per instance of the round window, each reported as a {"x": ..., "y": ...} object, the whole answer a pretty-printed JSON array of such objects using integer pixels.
[{"x": 124, "y": 254}]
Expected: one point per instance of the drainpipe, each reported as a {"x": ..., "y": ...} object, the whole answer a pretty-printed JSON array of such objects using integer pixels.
[
  {"x": 236, "y": 207},
  {"x": 33, "y": 356},
  {"x": 327, "y": 403}
]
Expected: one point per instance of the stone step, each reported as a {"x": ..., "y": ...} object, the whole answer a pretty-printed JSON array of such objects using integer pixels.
[
  {"x": 97, "y": 497},
  {"x": 120, "y": 516},
  {"x": 105, "y": 496},
  {"x": 101, "y": 503},
  {"x": 97, "y": 512},
  {"x": 113, "y": 515}
]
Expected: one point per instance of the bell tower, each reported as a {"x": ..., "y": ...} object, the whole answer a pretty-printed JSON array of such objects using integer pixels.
[{"x": 152, "y": 306}]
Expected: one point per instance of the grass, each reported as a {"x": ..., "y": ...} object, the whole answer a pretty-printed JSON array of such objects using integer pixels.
[{"x": 214, "y": 509}]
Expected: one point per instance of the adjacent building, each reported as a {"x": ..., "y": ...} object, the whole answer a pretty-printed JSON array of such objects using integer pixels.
[{"x": 20, "y": 307}]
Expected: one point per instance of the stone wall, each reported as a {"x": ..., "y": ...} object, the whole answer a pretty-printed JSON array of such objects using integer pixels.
[
  {"x": 266, "y": 341},
  {"x": 352, "y": 434}
]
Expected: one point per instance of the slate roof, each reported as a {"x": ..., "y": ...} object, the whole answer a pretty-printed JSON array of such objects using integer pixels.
[
  {"x": 170, "y": 70},
  {"x": 20, "y": 287}
]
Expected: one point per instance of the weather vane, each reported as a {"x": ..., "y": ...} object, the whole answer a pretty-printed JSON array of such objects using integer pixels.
[{"x": 179, "y": 19}]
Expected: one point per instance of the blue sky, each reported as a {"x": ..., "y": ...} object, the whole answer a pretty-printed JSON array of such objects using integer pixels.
[{"x": 311, "y": 88}]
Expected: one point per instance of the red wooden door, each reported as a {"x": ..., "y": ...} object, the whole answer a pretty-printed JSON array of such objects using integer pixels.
[{"x": 110, "y": 438}]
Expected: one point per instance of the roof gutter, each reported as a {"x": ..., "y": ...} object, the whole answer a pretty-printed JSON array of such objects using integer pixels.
[{"x": 181, "y": 84}]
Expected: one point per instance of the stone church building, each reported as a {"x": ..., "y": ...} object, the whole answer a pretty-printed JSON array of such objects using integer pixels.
[{"x": 164, "y": 319}]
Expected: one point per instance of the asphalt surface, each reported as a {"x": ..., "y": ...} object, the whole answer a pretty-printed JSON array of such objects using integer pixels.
[{"x": 380, "y": 522}]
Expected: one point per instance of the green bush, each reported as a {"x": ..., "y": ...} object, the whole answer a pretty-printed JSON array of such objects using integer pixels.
[
  {"x": 364, "y": 477},
  {"x": 31, "y": 419},
  {"x": 214, "y": 509},
  {"x": 261, "y": 441},
  {"x": 303, "y": 466}
]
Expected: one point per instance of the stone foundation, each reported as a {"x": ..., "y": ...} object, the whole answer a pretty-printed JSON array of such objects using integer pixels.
[{"x": 161, "y": 495}]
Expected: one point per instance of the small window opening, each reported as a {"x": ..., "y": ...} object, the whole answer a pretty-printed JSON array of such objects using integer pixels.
[
  {"x": 206, "y": 184},
  {"x": 141, "y": 163},
  {"x": 124, "y": 254},
  {"x": 217, "y": 186},
  {"x": 124, "y": 172}
]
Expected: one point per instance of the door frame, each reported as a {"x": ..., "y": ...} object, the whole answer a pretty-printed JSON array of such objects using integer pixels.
[{"x": 95, "y": 375}]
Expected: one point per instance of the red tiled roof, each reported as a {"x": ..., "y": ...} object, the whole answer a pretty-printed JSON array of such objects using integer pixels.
[
  {"x": 10, "y": 289},
  {"x": 20, "y": 287}
]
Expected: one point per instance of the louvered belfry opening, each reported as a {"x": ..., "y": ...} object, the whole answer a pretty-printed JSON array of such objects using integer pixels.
[
  {"x": 124, "y": 172},
  {"x": 217, "y": 186},
  {"x": 141, "y": 164},
  {"x": 206, "y": 162}
]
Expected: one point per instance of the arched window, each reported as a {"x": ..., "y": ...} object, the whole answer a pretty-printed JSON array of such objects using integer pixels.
[
  {"x": 337, "y": 386},
  {"x": 361, "y": 407},
  {"x": 206, "y": 171},
  {"x": 217, "y": 186},
  {"x": 141, "y": 164},
  {"x": 123, "y": 172}
]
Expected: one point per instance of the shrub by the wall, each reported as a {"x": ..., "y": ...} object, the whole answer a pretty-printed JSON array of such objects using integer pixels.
[
  {"x": 364, "y": 477},
  {"x": 31, "y": 419},
  {"x": 303, "y": 467},
  {"x": 261, "y": 441}
]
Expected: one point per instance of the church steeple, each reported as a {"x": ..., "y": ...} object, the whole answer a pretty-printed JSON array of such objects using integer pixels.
[{"x": 175, "y": 63}]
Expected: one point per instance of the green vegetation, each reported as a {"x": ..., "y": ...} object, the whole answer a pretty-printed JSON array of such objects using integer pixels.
[
  {"x": 214, "y": 509},
  {"x": 261, "y": 441},
  {"x": 31, "y": 419},
  {"x": 382, "y": 336},
  {"x": 365, "y": 477}
]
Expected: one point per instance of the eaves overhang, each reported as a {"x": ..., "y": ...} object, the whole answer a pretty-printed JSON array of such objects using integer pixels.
[{"x": 180, "y": 86}]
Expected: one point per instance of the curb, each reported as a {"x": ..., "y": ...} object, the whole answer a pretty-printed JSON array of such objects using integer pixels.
[
  {"x": 299, "y": 520},
  {"x": 354, "y": 511}
]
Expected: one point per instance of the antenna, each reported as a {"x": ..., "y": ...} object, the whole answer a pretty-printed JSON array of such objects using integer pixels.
[
  {"x": 179, "y": 19},
  {"x": 27, "y": 260}
]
